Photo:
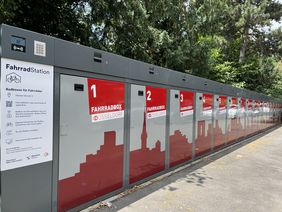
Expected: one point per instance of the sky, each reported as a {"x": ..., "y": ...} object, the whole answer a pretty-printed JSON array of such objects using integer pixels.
[{"x": 276, "y": 25}]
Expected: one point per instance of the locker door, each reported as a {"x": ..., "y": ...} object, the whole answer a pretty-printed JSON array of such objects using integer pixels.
[
  {"x": 91, "y": 139},
  {"x": 260, "y": 118},
  {"x": 147, "y": 131},
  {"x": 249, "y": 117},
  {"x": 180, "y": 126},
  {"x": 255, "y": 127},
  {"x": 232, "y": 122},
  {"x": 203, "y": 130},
  {"x": 219, "y": 121},
  {"x": 264, "y": 115},
  {"x": 241, "y": 117}
]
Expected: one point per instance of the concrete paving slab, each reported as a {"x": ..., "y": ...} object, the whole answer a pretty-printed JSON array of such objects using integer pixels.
[{"x": 247, "y": 179}]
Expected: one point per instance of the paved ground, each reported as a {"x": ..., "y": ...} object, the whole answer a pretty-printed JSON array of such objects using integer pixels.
[{"x": 247, "y": 179}]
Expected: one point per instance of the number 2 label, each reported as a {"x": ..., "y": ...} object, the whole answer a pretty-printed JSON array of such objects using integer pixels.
[{"x": 149, "y": 95}]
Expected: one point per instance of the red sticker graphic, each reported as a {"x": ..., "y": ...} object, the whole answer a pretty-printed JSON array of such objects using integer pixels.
[
  {"x": 186, "y": 103},
  {"x": 207, "y": 102},
  {"x": 243, "y": 102},
  {"x": 155, "y": 102},
  {"x": 256, "y": 105},
  {"x": 250, "y": 104},
  {"x": 222, "y": 103},
  {"x": 106, "y": 99},
  {"x": 233, "y": 103}
]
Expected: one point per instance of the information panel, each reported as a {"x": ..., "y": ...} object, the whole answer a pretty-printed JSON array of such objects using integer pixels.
[{"x": 26, "y": 113}]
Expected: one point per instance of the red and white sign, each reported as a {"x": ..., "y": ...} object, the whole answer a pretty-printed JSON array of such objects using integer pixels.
[
  {"x": 207, "y": 104},
  {"x": 155, "y": 102},
  {"x": 106, "y": 99},
  {"x": 243, "y": 102},
  {"x": 222, "y": 103},
  {"x": 250, "y": 106},
  {"x": 256, "y": 105},
  {"x": 186, "y": 103},
  {"x": 233, "y": 103}
]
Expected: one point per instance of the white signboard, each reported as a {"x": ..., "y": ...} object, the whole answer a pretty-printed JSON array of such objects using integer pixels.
[{"x": 26, "y": 113}]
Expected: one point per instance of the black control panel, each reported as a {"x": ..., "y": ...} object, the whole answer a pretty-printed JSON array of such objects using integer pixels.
[{"x": 18, "y": 44}]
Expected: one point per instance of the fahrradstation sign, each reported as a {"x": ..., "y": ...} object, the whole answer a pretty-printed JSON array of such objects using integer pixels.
[{"x": 26, "y": 113}]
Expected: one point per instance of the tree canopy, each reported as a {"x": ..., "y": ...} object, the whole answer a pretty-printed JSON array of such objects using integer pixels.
[{"x": 227, "y": 41}]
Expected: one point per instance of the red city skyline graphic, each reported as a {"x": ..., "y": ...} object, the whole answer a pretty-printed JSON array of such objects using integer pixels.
[
  {"x": 234, "y": 128},
  {"x": 242, "y": 129},
  {"x": 256, "y": 122},
  {"x": 145, "y": 162},
  {"x": 202, "y": 141},
  {"x": 180, "y": 148},
  {"x": 219, "y": 135},
  {"x": 100, "y": 174}
]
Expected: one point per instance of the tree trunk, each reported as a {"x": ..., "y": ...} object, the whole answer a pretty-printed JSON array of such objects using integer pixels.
[{"x": 244, "y": 45}]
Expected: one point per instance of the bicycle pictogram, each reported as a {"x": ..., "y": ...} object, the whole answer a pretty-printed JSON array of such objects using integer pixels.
[{"x": 13, "y": 77}]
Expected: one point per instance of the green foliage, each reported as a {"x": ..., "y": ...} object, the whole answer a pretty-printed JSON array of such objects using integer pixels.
[
  {"x": 60, "y": 18},
  {"x": 276, "y": 88},
  {"x": 222, "y": 40},
  {"x": 222, "y": 71}
]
